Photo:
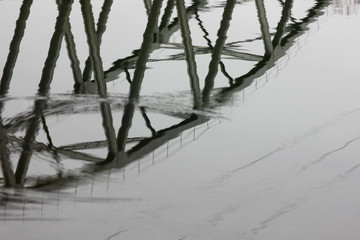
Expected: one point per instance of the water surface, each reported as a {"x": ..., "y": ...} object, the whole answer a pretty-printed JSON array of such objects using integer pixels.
[{"x": 179, "y": 120}]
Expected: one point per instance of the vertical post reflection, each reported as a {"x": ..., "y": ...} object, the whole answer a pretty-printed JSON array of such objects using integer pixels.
[
  {"x": 71, "y": 48},
  {"x": 109, "y": 130},
  {"x": 189, "y": 52},
  {"x": 205, "y": 36},
  {"x": 264, "y": 26},
  {"x": 15, "y": 45},
  {"x": 147, "y": 121},
  {"x": 101, "y": 27},
  {"x": 103, "y": 17},
  {"x": 167, "y": 14},
  {"x": 147, "y": 4},
  {"x": 280, "y": 29},
  {"x": 93, "y": 43},
  {"x": 145, "y": 50},
  {"x": 138, "y": 75},
  {"x": 55, "y": 46},
  {"x": 94, "y": 49},
  {"x": 216, "y": 54},
  {"x": 44, "y": 86},
  {"x": 8, "y": 174}
]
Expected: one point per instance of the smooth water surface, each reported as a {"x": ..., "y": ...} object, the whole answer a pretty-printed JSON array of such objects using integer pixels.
[{"x": 179, "y": 120}]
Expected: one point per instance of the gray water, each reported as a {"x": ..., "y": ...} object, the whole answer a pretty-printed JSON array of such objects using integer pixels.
[{"x": 180, "y": 120}]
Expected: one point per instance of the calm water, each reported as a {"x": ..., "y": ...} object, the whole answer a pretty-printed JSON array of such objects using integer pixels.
[{"x": 180, "y": 120}]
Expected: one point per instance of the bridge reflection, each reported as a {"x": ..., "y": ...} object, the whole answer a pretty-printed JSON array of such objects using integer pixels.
[{"x": 122, "y": 149}]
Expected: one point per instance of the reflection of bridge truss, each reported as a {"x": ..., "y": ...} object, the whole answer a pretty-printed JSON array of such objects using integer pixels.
[
  {"x": 119, "y": 154},
  {"x": 268, "y": 68}
]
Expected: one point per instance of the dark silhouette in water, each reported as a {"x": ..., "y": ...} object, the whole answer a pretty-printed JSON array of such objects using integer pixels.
[{"x": 158, "y": 31}]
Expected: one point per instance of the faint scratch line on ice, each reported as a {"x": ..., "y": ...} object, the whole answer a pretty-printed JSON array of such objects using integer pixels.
[
  {"x": 336, "y": 120},
  {"x": 229, "y": 174},
  {"x": 298, "y": 140},
  {"x": 264, "y": 224},
  {"x": 313, "y": 193},
  {"x": 181, "y": 238},
  {"x": 324, "y": 156},
  {"x": 116, "y": 234},
  {"x": 346, "y": 174}
]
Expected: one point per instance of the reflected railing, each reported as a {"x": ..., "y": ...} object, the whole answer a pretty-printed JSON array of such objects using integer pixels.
[{"x": 122, "y": 149}]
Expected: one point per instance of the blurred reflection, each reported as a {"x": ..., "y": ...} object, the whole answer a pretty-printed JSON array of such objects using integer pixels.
[
  {"x": 347, "y": 7},
  {"x": 121, "y": 148}
]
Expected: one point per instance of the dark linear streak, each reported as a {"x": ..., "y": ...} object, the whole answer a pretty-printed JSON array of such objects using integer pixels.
[
  {"x": 291, "y": 207},
  {"x": 116, "y": 234},
  {"x": 147, "y": 121},
  {"x": 28, "y": 144},
  {"x": 128, "y": 77},
  {"x": 264, "y": 26},
  {"x": 145, "y": 51},
  {"x": 351, "y": 170},
  {"x": 109, "y": 129},
  {"x": 247, "y": 40},
  {"x": 124, "y": 129},
  {"x": 206, "y": 34},
  {"x": 280, "y": 29},
  {"x": 94, "y": 144},
  {"x": 93, "y": 42},
  {"x": 46, "y": 129},
  {"x": 174, "y": 25},
  {"x": 135, "y": 86},
  {"x": 201, "y": 25},
  {"x": 8, "y": 174},
  {"x": 71, "y": 49},
  {"x": 257, "y": 160},
  {"x": 263, "y": 225},
  {"x": 51, "y": 145},
  {"x": 167, "y": 14},
  {"x": 55, "y": 46},
  {"x": 68, "y": 107},
  {"x": 40, "y": 147},
  {"x": 15, "y": 45},
  {"x": 30, "y": 219},
  {"x": 320, "y": 159},
  {"x": 79, "y": 155},
  {"x": 101, "y": 28},
  {"x": 44, "y": 86},
  {"x": 103, "y": 17},
  {"x": 206, "y": 50},
  {"x": 189, "y": 52},
  {"x": 226, "y": 74},
  {"x": 216, "y": 55}
]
